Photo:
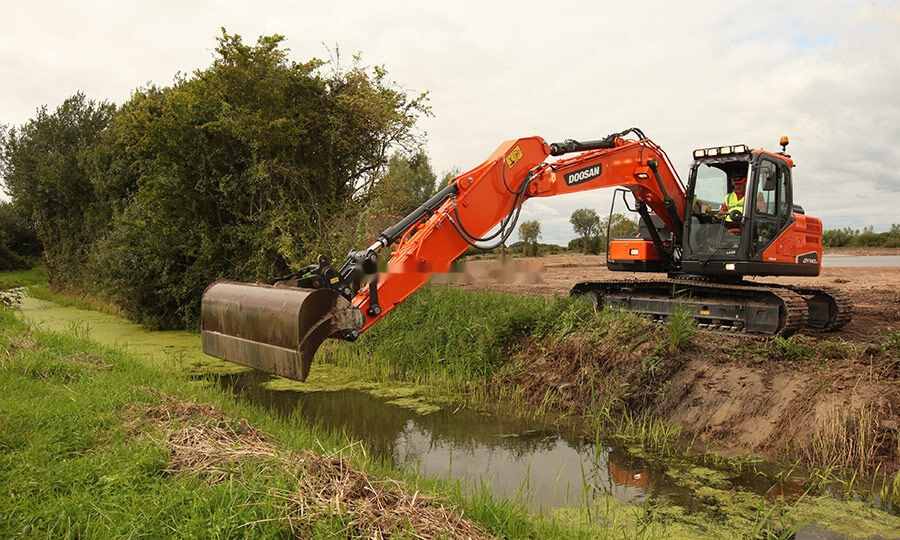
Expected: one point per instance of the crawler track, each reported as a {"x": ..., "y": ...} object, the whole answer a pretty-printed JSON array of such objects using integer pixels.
[
  {"x": 745, "y": 308},
  {"x": 829, "y": 309}
]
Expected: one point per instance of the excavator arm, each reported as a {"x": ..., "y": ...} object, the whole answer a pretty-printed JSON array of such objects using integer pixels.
[{"x": 277, "y": 327}]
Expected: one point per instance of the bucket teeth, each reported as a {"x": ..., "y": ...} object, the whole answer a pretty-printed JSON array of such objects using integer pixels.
[{"x": 273, "y": 329}]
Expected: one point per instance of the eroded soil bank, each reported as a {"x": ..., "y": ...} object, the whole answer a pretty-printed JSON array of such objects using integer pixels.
[{"x": 827, "y": 398}]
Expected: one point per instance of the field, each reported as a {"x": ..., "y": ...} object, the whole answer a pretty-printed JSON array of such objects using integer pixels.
[{"x": 875, "y": 291}]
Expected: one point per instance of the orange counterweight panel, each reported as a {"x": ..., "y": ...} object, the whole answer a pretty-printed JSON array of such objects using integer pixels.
[
  {"x": 632, "y": 250},
  {"x": 801, "y": 242}
]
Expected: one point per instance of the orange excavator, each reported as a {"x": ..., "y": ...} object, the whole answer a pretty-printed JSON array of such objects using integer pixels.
[{"x": 277, "y": 326}]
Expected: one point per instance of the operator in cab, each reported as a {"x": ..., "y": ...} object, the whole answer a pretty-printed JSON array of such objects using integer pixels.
[{"x": 733, "y": 201}]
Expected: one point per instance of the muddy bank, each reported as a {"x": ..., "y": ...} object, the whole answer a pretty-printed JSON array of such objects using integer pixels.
[
  {"x": 825, "y": 410},
  {"x": 828, "y": 402}
]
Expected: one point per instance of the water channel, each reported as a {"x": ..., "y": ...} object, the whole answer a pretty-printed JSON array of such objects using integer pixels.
[
  {"x": 859, "y": 261},
  {"x": 510, "y": 457}
]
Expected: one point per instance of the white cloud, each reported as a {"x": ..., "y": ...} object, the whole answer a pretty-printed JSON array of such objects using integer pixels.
[{"x": 824, "y": 73}]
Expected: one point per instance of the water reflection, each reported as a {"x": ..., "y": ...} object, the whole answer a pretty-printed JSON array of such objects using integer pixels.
[
  {"x": 859, "y": 261},
  {"x": 510, "y": 457}
]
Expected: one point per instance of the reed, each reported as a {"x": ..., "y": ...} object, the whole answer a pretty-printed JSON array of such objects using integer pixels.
[
  {"x": 848, "y": 440},
  {"x": 681, "y": 327},
  {"x": 614, "y": 420}
]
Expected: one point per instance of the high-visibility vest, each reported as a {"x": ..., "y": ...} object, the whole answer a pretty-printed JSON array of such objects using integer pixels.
[{"x": 733, "y": 203}]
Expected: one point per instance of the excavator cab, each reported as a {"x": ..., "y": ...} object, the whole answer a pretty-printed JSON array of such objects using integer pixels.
[{"x": 770, "y": 236}]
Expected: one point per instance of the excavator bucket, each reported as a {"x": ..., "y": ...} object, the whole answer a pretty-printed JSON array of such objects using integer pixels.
[{"x": 273, "y": 329}]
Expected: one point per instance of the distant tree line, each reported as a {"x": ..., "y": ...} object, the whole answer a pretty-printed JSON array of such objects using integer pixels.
[
  {"x": 848, "y": 237},
  {"x": 244, "y": 170}
]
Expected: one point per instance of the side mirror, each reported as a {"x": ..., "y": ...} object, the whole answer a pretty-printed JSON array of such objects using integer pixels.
[{"x": 769, "y": 181}]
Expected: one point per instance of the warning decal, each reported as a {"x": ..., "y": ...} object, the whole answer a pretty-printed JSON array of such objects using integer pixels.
[{"x": 513, "y": 157}]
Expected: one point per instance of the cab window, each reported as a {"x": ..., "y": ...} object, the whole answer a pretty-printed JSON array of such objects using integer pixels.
[{"x": 710, "y": 188}]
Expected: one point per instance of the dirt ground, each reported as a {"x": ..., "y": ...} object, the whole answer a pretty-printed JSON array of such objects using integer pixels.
[{"x": 840, "y": 403}]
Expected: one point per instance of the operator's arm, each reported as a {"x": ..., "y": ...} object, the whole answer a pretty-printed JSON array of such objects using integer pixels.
[{"x": 722, "y": 211}]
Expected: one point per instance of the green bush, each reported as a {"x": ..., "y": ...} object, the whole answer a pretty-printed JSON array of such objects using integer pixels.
[
  {"x": 244, "y": 170},
  {"x": 869, "y": 239},
  {"x": 838, "y": 237}
]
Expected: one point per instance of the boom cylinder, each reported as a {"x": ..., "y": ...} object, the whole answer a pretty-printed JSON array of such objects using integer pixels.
[
  {"x": 391, "y": 233},
  {"x": 570, "y": 145}
]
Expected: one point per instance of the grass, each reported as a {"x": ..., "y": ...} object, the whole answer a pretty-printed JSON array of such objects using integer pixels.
[
  {"x": 42, "y": 291},
  {"x": 892, "y": 346},
  {"x": 792, "y": 348},
  {"x": 449, "y": 337},
  {"x": 13, "y": 282},
  {"x": 23, "y": 278},
  {"x": 780, "y": 348},
  {"x": 643, "y": 429},
  {"x": 35, "y": 282},
  {"x": 95, "y": 443},
  {"x": 681, "y": 327}
]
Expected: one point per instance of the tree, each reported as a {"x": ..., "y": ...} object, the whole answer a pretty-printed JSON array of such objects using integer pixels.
[
  {"x": 838, "y": 237},
  {"x": 19, "y": 244},
  {"x": 245, "y": 170},
  {"x": 586, "y": 224},
  {"x": 619, "y": 226},
  {"x": 529, "y": 232},
  {"x": 865, "y": 238},
  {"x": 408, "y": 183},
  {"x": 47, "y": 167}
]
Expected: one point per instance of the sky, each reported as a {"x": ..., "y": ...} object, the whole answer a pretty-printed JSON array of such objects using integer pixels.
[{"x": 689, "y": 74}]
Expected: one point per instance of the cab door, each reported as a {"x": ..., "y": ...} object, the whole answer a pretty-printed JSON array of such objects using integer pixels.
[{"x": 769, "y": 208}]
